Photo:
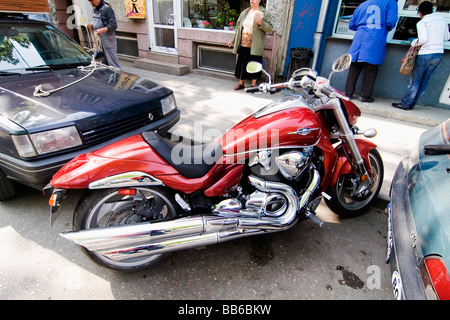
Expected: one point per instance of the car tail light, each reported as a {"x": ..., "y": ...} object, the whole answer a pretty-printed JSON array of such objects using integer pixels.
[{"x": 436, "y": 276}]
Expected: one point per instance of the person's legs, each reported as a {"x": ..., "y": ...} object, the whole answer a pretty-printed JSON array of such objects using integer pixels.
[
  {"x": 370, "y": 75},
  {"x": 432, "y": 61},
  {"x": 423, "y": 69},
  {"x": 241, "y": 63},
  {"x": 415, "y": 80},
  {"x": 110, "y": 51},
  {"x": 352, "y": 77}
]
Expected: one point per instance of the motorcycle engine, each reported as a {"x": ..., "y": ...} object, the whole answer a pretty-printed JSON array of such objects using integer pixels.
[{"x": 288, "y": 165}]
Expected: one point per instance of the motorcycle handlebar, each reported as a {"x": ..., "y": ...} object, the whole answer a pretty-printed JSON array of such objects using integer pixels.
[
  {"x": 272, "y": 88},
  {"x": 252, "y": 89},
  {"x": 266, "y": 87},
  {"x": 328, "y": 92}
]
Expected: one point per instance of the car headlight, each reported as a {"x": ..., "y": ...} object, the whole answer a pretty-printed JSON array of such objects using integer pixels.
[
  {"x": 45, "y": 142},
  {"x": 168, "y": 104}
]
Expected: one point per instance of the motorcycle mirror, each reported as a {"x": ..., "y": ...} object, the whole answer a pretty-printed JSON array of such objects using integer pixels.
[
  {"x": 254, "y": 67},
  {"x": 342, "y": 63}
]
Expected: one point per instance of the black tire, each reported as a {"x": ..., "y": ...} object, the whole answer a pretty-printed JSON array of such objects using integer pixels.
[
  {"x": 347, "y": 207},
  {"x": 101, "y": 208},
  {"x": 7, "y": 187}
]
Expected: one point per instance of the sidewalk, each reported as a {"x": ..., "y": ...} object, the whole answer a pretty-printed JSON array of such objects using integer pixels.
[{"x": 214, "y": 102}]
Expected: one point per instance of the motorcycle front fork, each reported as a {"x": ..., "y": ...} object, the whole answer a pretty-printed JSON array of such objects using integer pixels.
[{"x": 362, "y": 179}]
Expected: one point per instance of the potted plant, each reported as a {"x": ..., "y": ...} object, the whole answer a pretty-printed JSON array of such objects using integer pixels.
[
  {"x": 232, "y": 16},
  {"x": 221, "y": 19}
]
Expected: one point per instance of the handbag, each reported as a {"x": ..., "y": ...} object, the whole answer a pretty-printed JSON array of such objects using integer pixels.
[{"x": 408, "y": 60}]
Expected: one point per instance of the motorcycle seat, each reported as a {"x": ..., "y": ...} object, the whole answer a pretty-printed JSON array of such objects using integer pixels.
[{"x": 191, "y": 161}]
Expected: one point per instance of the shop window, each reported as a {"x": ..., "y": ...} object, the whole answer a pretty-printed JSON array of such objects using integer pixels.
[
  {"x": 438, "y": 5},
  {"x": 405, "y": 30},
  {"x": 344, "y": 14},
  {"x": 212, "y": 14}
]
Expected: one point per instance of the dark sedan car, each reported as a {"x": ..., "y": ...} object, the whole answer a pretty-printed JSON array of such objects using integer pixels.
[
  {"x": 56, "y": 103},
  {"x": 419, "y": 220}
]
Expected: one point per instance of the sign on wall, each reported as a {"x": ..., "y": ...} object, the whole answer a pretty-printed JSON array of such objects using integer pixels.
[
  {"x": 135, "y": 9},
  {"x": 38, "y": 6}
]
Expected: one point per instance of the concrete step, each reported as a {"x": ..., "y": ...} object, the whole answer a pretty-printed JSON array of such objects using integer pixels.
[{"x": 161, "y": 66}]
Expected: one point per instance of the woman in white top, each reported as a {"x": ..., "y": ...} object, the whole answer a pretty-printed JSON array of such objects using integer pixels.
[
  {"x": 432, "y": 31},
  {"x": 248, "y": 40}
]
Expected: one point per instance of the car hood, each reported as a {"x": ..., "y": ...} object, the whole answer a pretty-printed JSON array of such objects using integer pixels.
[
  {"x": 101, "y": 98},
  {"x": 429, "y": 185}
]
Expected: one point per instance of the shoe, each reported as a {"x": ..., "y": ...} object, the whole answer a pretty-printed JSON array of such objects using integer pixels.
[
  {"x": 400, "y": 106},
  {"x": 350, "y": 96},
  {"x": 239, "y": 86},
  {"x": 366, "y": 99}
]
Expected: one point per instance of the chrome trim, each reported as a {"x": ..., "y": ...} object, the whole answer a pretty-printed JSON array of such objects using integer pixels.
[
  {"x": 270, "y": 149},
  {"x": 120, "y": 243},
  {"x": 126, "y": 179}
]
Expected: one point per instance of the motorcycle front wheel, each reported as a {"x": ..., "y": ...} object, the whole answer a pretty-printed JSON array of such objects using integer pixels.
[
  {"x": 106, "y": 207},
  {"x": 343, "y": 204}
]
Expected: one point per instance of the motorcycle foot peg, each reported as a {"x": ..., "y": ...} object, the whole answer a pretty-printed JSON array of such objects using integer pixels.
[{"x": 311, "y": 215}]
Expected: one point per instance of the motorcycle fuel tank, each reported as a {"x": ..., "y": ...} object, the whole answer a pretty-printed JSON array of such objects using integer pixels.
[{"x": 287, "y": 123}]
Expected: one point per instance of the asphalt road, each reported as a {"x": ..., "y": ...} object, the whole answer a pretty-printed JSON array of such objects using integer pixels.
[{"x": 342, "y": 260}]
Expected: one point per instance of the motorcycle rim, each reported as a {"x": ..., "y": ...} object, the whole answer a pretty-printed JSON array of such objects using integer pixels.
[
  {"x": 344, "y": 205},
  {"x": 106, "y": 208}
]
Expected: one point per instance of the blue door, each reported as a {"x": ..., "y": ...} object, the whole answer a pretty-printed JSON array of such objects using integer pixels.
[{"x": 304, "y": 25}]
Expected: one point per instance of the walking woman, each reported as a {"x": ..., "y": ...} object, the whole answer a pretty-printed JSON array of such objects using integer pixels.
[{"x": 248, "y": 40}]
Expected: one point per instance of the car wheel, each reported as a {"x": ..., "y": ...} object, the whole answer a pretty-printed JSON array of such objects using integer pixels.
[{"x": 7, "y": 187}]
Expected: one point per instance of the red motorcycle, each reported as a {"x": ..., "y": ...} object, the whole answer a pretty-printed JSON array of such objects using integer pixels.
[{"x": 147, "y": 195}]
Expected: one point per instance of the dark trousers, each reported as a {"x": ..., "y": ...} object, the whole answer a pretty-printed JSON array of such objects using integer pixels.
[{"x": 370, "y": 75}]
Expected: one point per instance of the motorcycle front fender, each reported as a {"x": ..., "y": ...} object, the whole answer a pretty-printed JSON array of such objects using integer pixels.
[{"x": 343, "y": 166}]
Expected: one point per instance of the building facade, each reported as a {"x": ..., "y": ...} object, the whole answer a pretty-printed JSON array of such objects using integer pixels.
[{"x": 195, "y": 34}]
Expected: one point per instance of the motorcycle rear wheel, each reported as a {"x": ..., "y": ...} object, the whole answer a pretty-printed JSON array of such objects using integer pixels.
[
  {"x": 103, "y": 208},
  {"x": 346, "y": 206}
]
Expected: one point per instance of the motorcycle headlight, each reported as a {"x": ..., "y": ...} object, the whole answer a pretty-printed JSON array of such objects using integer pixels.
[
  {"x": 45, "y": 142},
  {"x": 168, "y": 104}
]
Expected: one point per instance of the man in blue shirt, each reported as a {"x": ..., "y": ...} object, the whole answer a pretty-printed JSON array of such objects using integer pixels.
[{"x": 372, "y": 21}]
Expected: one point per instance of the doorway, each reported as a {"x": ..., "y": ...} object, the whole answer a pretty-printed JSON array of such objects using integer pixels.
[{"x": 163, "y": 24}]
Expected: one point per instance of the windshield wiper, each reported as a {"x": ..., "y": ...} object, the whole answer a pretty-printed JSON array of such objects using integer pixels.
[
  {"x": 55, "y": 66},
  {"x": 9, "y": 73},
  {"x": 436, "y": 149},
  {"x": 39, "y": 68}
]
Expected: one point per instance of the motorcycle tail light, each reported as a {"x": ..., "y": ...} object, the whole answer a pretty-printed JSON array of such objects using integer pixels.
[
  {"x": 127, "y": 192},
  {"x": 436, "y": 278}
]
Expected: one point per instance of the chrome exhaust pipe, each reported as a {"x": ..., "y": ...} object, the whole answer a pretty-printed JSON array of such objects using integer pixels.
[{"x": 131, "y": 241}]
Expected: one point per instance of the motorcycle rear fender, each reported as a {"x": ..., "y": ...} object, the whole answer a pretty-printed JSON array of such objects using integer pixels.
[
  {"x": 343, "y": 166},
  {"x": 128, "y": 155}
]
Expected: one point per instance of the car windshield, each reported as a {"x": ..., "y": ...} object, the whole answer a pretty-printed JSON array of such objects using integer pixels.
[{"x": 29, "y": 47}]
